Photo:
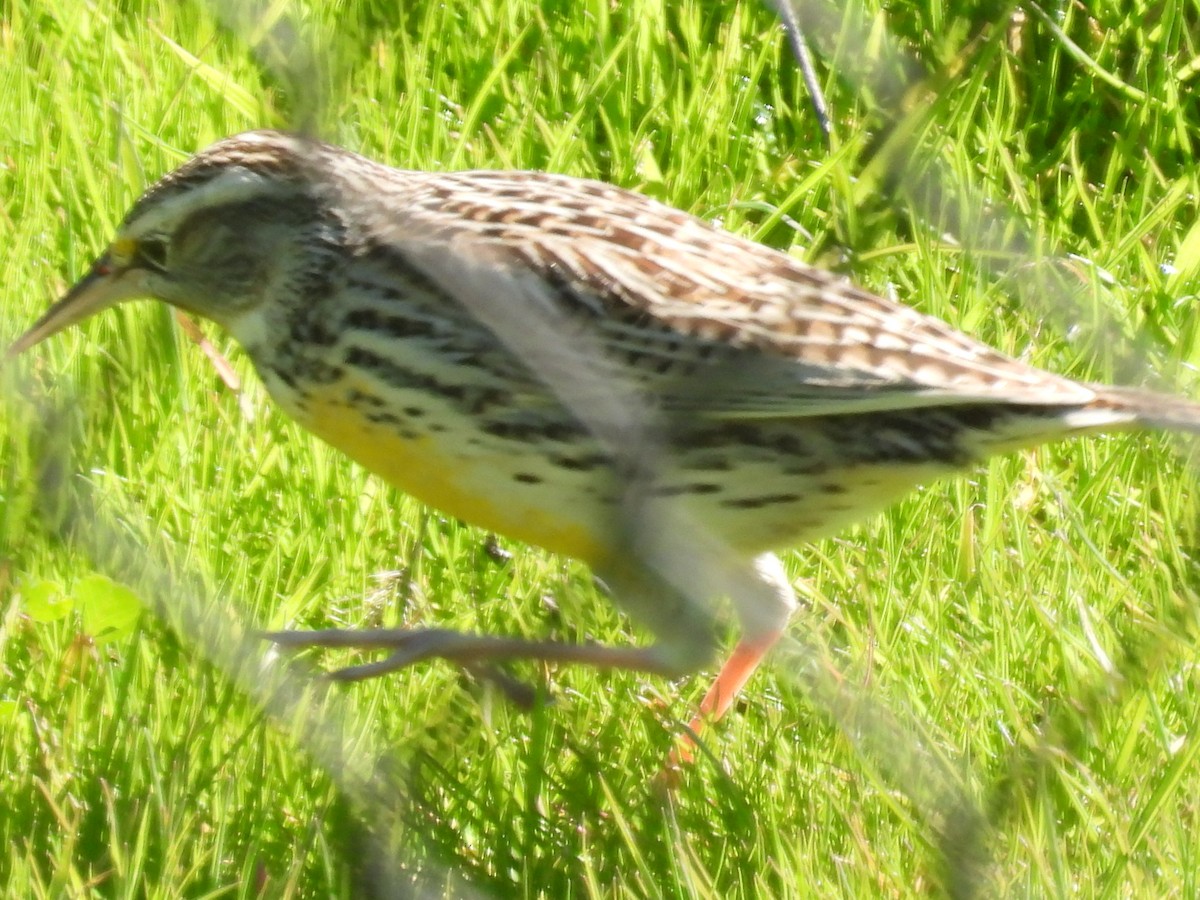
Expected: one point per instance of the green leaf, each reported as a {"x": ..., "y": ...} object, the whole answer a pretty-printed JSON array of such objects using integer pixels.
[
  {"x": 45, "y": 601},
  {"x": 110, "y": 610}
]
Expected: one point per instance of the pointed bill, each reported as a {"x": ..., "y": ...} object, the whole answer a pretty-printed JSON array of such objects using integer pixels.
[{"x": 99, "y": 289}]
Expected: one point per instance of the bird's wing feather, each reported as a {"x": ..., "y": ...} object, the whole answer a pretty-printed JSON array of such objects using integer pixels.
[{"x": 706, "y": 322}]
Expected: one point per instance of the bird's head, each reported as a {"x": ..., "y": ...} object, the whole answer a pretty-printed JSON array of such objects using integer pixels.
[{"x": 216, "y": 237}]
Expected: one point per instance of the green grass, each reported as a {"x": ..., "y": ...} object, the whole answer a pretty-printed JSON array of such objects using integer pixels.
[{"x": 1034, "y": 621}]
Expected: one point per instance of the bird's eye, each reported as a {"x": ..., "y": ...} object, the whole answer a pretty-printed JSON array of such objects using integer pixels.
[{"x": 153, "y": 252}]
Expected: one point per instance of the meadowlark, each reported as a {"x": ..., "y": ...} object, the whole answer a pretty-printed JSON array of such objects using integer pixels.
[{"x": 539, "y": 355}]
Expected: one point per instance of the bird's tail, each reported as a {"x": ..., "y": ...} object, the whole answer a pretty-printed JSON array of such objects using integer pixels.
[
  {"x": 1118, "y": 407},
  {"x": 1110, "y": 409}
]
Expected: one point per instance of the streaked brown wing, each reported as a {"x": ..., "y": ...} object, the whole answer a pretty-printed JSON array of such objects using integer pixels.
[{"x": 709, "y": 323}]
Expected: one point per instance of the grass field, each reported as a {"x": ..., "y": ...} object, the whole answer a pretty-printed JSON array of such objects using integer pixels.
[{"x": 1035, "y": 621}]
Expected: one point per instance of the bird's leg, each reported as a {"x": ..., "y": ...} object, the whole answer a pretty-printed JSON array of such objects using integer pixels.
[
  {"x": 743, "y": 661},
  {"x": 411, "y": 646},
  {"x": 763, "y": 602},
  {"x": 682, "y": 625},
  {"x": 763, "y": 605}
]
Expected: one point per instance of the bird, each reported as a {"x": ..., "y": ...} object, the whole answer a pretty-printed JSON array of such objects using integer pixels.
[{"x": 582, "y": 368}]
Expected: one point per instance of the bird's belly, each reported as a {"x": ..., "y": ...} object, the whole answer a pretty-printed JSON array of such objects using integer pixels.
[
  {"x": 755, "y": 488},
  {"x": 559, "y": 511},
  {"x": 769, "y": 485},
  {"x": 754, "y": 516},
  {"x": 494, "y": 487}
]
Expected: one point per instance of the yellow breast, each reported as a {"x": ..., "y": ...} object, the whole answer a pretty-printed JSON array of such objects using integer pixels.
[{"x": 475, "y": 487}]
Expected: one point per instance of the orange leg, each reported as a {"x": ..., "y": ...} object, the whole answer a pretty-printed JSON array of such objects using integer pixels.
[{"x": 746, "y": 657}]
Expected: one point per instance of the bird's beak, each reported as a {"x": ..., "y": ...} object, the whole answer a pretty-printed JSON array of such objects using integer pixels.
[{"x": 99, "y": 289}]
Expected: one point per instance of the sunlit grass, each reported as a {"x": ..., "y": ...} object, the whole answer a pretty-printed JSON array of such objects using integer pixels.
[{"x": 1036, "y": 616}]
